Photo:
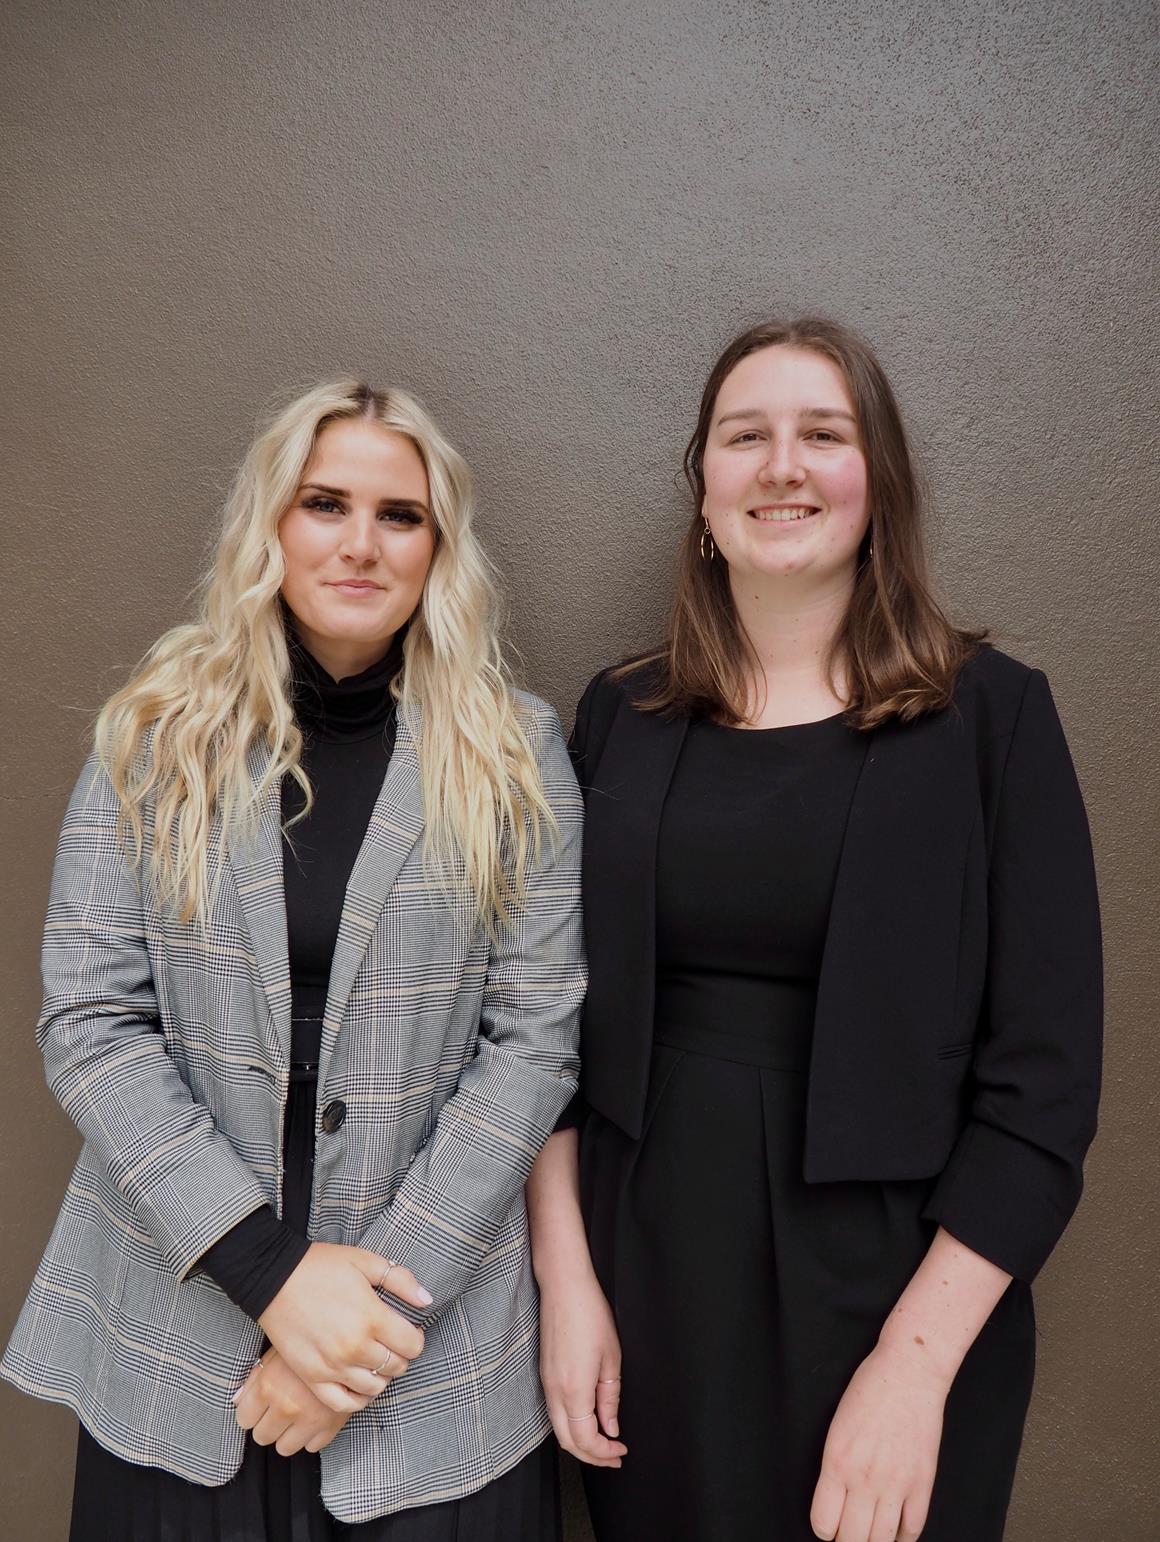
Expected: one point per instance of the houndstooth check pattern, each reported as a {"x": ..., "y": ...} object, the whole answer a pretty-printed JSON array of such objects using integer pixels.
[{"x": 169, "y": 1046}]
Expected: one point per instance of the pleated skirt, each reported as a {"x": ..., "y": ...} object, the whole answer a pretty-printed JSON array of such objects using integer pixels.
[
  {"x": 276, "y": 1499},
  {"x": 746, "y": 1299}
]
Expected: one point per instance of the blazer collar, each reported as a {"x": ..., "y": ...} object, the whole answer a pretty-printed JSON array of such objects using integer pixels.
[
  {"x": 624, "y": 803},
  {"x": 256, "y": 860},
  {"x": 395, "y": 825}
]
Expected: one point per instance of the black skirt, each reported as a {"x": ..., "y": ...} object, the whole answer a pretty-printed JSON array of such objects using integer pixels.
[
  {"x": 276, "y": 1499},
  {"x": 746, "y": 1299}
]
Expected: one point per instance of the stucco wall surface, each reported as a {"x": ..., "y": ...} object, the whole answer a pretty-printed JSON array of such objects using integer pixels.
[{"x": 545, "y": 219}]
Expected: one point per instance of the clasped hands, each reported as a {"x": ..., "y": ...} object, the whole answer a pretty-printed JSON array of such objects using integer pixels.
[{"x": 335, "y": 1346}]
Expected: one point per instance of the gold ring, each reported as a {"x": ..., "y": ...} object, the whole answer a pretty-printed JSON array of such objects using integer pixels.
[
  {"x": 378, "y": 1370},
  {"x": 386, "y": 1274}
]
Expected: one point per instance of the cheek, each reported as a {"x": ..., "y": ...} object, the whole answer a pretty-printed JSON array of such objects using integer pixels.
[
  {"x": 302, "y": 556},
  {"x": 846, "y": 487},
  {"x": 722, "y": 481},
  {"x": 415, "y": 564},
  {"x": 299, "y": 543}
]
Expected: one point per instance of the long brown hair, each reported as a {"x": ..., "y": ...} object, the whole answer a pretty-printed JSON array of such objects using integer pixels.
[{"x": 899, "y": 653}]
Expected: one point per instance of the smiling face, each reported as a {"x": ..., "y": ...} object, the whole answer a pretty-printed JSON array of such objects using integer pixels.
[
  {"x": 358, "y": 539},
  {"x": 786, "y": 488}
]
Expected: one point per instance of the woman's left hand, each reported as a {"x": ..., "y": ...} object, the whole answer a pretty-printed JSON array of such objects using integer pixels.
[
  {"x": 880, "y": 1456},
  {"x": 281, "y": 1411}
]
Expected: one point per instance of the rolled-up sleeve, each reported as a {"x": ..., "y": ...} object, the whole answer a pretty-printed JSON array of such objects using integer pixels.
[{"x": 1015, "y": 1175}]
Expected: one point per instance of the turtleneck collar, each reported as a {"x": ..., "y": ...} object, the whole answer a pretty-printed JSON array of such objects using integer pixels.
[{"x": 355, "y": 708}]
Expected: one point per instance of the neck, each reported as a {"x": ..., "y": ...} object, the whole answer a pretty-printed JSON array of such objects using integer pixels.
[
  {"x": 792, "y": 625},
  {"x": 341, "y": 657}
]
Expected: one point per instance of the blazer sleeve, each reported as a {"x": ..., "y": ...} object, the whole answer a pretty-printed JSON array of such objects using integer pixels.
[
  {"x": 1015, "y": 1175},
  {"x": 576, "y": 1112},
  {"x": 104, "y": 1047},
  {"x": 463, "y": 1181}
]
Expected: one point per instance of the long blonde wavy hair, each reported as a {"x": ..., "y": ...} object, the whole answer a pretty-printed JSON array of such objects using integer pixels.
[{"x": 178, "y": 739}]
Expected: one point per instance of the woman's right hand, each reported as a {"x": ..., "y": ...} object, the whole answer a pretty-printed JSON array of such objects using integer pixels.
[
  {"x": 333, "y": 1331},
  {"x": 580, "y": 1370},
  {"x": 281, "y": 1411}
]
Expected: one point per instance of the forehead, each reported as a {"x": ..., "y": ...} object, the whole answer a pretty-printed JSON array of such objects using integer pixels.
[
  {"x": 355, "y": 452},
  {"x": 783, "y": 378}
]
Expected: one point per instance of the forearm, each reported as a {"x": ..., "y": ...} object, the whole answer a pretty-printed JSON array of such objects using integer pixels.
[
  {"x": 559, "y": 1243},
  {"x": 462, "y": 1184},
  {"x": 942, "y": 1310},
  {"x": 254, "y": 1260}
]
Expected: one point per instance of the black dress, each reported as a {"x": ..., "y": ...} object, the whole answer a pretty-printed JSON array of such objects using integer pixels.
[
  {"x": 348, "y": 733},
  {"x": 745, "y": 1298}
]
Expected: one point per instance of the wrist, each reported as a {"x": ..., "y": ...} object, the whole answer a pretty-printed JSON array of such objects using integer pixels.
[
  {"x": 562, "y": 1271},
  {"x": 915, "y": 1352}
]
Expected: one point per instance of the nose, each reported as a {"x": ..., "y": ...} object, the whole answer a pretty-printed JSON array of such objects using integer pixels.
[
  {"x": 360, "y": 537},
  {"x": 782, "y": 464}
]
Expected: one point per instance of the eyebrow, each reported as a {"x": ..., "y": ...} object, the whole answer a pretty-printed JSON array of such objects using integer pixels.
[
  {"x": 341, "y": 492},
  {"x": 810, "y": 412}
]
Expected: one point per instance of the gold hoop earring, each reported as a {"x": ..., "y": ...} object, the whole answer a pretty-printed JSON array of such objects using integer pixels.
[{"x": 707, "y": 556}]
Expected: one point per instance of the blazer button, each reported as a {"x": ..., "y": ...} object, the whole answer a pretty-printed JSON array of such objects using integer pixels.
[{"x": 334, "y": 1116}]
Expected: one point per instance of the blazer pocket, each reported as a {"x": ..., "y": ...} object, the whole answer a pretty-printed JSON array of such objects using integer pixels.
[{"x": 954, "y": 1051}]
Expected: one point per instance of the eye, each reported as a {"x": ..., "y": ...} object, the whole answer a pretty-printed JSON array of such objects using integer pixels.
[
  {"x": 401, "y": 514},
  {"x": 748, "y": 436},
  {"x": 321, "y": 504},
  {"x": 825, "y": 436}
]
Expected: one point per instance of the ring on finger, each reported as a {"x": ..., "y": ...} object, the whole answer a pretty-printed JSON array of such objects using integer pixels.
[
  {"x": 580, "y": 1418},
  {"x": 386, "y": 1360},
  {"x": 386, "y": 1274},
  {"x": 609, "y": 1381}
]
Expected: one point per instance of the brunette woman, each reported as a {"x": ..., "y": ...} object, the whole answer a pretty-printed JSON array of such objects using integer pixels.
[
  {"x": 312, "y": 973},
  {"x": 841, "y": 1047}
]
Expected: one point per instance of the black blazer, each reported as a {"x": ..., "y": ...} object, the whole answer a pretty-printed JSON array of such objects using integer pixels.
[{"x": 958, "y": 1020}]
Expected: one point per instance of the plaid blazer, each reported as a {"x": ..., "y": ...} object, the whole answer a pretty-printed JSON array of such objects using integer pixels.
[{"x": 169, "y": 1046}]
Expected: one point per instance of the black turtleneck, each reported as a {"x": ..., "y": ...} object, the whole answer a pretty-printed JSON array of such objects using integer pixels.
[{"x": 348, "y": 732}]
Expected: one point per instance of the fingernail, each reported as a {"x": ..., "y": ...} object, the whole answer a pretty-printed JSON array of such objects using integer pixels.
[
  {"x": 613, "y": 1428},
  {"x": 425, "y": 1296},
  {"x": 236, "y": 1395}
]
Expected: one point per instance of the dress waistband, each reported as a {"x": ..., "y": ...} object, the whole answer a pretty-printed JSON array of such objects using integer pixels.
[
  {"x": 775, "y": 1054},
  {"x": 768, "y": 1023},
  {"x": 305, "y": 1043}
]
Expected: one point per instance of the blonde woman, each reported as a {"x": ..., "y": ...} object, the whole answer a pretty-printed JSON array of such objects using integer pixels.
[{"x": 312, "y": 972}]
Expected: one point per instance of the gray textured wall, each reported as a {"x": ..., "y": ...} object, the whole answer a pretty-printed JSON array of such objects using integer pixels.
[{"x": 545, "y": 218}]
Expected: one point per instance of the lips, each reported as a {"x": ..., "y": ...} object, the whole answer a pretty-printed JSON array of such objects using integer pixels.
[{"x": 355, "y": 586}]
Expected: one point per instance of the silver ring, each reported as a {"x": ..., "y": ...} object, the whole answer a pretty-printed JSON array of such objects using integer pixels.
[
  {"x": 580, "y": 1418},
  {"x": 378, "y": 1370},
  {"x": 386, "y": 1274}
]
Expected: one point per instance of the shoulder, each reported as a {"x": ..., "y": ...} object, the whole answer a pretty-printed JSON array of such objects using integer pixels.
[
  {"x": 540, "y": 723},
  {"x": 1010, "y": 718},
  {"x": 993, "y": 673},
  {"x": 993, "y": 688},
  {"x": 537, "y": 717},
  {"x": 629, "y": 679},
  {"x": 532, "y": 708}
]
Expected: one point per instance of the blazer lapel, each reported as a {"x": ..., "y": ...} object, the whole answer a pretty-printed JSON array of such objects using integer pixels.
[
  {"x": 886, "y": 987},
  {"x": 623, "y": 808},
  {"x": 256, "y": 862},
  {"x": 395, "y": 825}
]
